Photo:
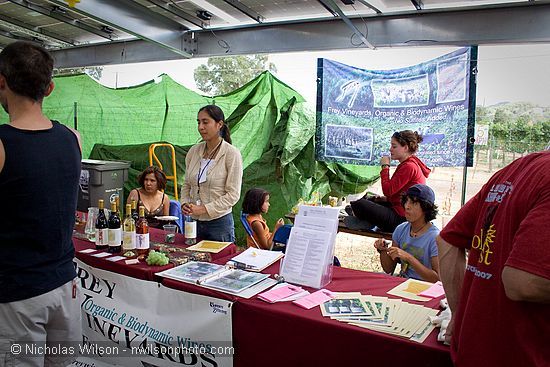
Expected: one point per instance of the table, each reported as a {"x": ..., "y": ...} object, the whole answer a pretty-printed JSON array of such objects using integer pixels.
[
  {"x": 283, "y": 334},
  {"x": 293, "y": 336},
  {"x": 141, "y": 270}
]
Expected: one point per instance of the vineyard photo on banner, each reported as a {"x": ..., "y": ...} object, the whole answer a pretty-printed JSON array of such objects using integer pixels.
[{"x": 359, "y": 110}]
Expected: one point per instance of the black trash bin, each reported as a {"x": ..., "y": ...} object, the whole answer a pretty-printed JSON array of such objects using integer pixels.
[{"x": 101, "y": 180}]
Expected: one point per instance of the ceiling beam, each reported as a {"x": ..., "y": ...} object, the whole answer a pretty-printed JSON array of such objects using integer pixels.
[
  {"x": 367, "y": 4},
  {"x": 135, "y": 19},
  {"x": 418, "y": 4},
  {"x": 61, "y": 17},
  {"x": 173, "y": 9},
  {"x": 117, "y": 52},
  {"x": 15, "y": 37},
  {"x": 245, "y": 10},
  {"x": 220, "y": 13},
  {"x": 510, "y": 23},
  {"x": 363, "y": 38},
  {"x": 495, "y": 25},
  {"x": 328, "y": 8},
  {"x": 50, "y": 37}
]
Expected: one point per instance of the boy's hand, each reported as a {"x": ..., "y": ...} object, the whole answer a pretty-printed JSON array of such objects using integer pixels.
[{"x": 381, "y": 245}]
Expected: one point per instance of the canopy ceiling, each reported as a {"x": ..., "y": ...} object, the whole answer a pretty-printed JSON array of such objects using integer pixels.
[{"x": 102, "y": 32}]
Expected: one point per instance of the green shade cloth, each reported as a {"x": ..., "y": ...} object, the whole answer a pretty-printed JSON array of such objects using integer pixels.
[{"x": 268, "y": 121}]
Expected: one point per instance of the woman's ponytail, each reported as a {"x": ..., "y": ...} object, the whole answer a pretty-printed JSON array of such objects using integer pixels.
[{"x": 225, "y": 133}]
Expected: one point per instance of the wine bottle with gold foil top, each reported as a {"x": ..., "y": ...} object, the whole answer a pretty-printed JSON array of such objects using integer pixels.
[
  {"x": 115, "y": 230},
  {"x": 135, "y": 215},
  {"x": 101, "y": 228},
  {"x": 128, "y": 230},
  {"x": 142, "y": 233}
]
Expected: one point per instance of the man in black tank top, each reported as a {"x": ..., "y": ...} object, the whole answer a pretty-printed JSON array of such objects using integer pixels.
[{"x": 39, "y": 173}]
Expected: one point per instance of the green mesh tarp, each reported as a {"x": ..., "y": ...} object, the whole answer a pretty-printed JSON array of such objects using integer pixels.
[{"x": 268, "y": 121}]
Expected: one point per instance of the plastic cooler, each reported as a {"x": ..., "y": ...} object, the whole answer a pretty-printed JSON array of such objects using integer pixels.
[{"x": 101, "y": 180}]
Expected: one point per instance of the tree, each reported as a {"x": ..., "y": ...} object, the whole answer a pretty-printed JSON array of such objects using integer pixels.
[
  {"x": 94, "y": 72},
  {"x": 222, "y": 75},
  {"x": 483, "y": 116}
]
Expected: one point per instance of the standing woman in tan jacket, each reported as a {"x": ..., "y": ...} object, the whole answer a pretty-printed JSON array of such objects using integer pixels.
[{"x": 213, "y": 177}]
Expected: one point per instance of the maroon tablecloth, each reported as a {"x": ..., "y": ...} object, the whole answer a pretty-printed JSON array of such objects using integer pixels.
[
  {"x": 141, "y": 270},
  {"x": 284, "y": 334}
]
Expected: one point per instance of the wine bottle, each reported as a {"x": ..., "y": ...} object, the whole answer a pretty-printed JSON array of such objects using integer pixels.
[
  {"x": 142, "y": 233},
  {"x": 134, "y": 211},
  {"x": 129, "y": 230},
  {"x": 190, "y": 230},
  {"x": 115, "y": 231},
  {"x": 101, "y": 228}
]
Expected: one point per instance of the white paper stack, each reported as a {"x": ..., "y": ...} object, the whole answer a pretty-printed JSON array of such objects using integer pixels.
[{"x": 310, "y": 247}]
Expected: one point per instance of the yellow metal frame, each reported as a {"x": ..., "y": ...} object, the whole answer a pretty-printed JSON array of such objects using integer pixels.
[{"x": 152, "y": 156}]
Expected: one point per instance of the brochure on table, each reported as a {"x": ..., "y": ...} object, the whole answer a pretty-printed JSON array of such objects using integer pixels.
[
  {"x": 283, "y": 292},
  {"x": 219, "y": 277},
  {"x": 310, "y": 247},
  {"x": 209, "y": 246}
]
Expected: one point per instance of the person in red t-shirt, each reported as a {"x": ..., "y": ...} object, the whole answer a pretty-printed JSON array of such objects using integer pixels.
[
  {"x": 500, "y": 298},
  {"x": 386, "y": 212}
]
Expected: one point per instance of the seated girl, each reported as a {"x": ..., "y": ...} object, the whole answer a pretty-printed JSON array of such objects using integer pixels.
[
  {"x": 256, "y": 202},
  {"x": 414, "y": 243},
  {"x": 152, "y": 180}
]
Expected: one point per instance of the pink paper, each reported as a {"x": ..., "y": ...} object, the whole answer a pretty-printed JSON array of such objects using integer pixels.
[
  {"x": 279, "y": 293},
  {"x": 314, "y": 299},
  {"x": 434, "y": 291}
]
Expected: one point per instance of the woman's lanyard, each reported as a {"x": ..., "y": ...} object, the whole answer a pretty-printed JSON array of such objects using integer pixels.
[{"x": 202, "y": 170}]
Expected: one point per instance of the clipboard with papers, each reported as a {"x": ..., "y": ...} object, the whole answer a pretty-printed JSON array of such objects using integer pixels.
[
  {"x": 253, "y": 259},
  {"x": 222, "y": 278}
]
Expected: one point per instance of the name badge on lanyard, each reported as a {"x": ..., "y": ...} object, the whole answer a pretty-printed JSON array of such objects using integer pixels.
[{"x": 203, "y": 170}]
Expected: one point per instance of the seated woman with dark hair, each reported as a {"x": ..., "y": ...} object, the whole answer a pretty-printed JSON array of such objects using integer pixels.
[
  {"x": 152, "y": 180},
  {"x": 256, "y": 202},
  {"x": 414, "y": 241},
  {"x": 386, "y": 212}
]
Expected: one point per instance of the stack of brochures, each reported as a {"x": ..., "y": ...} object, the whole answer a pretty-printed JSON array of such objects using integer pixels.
[
  {"x": 382, "y": 314},
  {"x": 254, "y": 259},
  {"x": 283, "y": 292},
  {"x": 418, "y": 290},
  {"x": 310, "y": 247},
  {"x": 209, "y": 246},
  {"x": 225, "y": 279}
]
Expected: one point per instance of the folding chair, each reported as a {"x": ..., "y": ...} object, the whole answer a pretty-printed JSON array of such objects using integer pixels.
[
  {"x": 248, "y": 229},
  {"x": 280, "y": 238},
  {"x": 175, "y": 210}
]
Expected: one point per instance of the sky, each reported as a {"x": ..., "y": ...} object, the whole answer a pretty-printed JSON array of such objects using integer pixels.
[{"x": 507, "y": 73}]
